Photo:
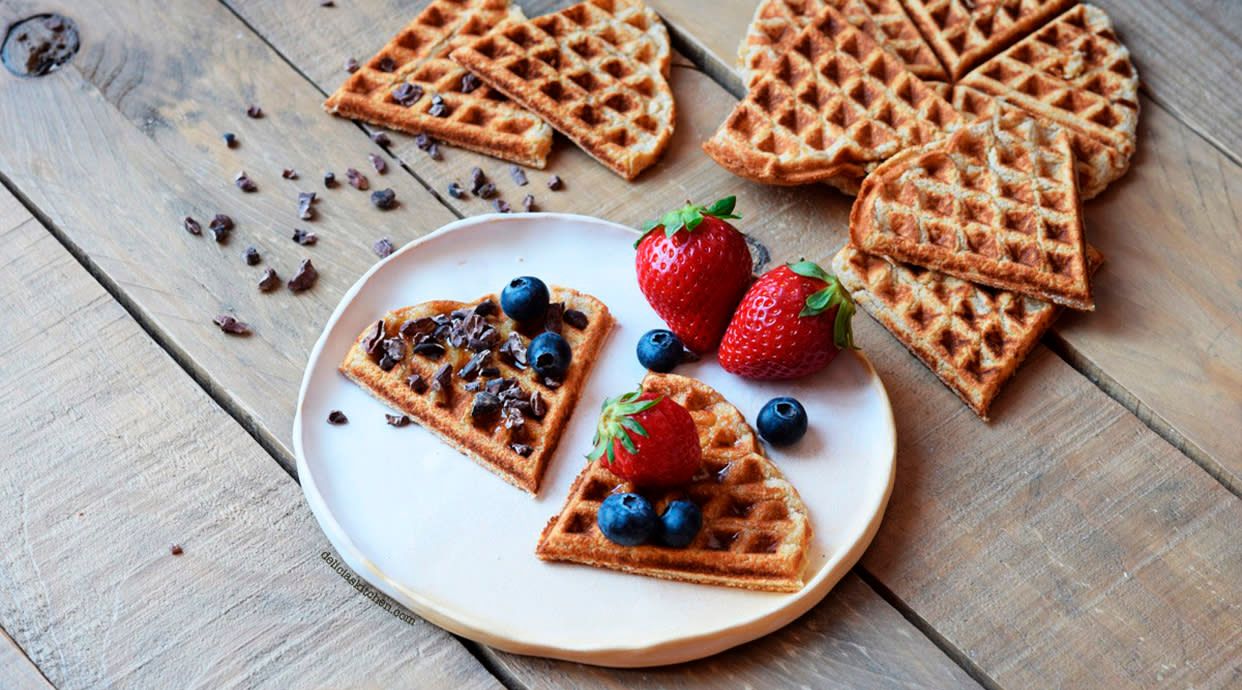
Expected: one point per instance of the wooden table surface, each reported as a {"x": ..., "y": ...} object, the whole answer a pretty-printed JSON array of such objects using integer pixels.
[{"x": 1090, "y": 536}]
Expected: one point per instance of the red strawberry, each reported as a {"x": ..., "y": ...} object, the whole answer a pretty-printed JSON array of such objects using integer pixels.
[
  {"x": 791, "y": 323},
  {"x": 693, "y": 267},
  {"x": 650, "y": 440}
]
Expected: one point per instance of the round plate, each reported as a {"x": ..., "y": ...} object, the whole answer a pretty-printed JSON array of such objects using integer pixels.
[{"x": 456, "y": 544}]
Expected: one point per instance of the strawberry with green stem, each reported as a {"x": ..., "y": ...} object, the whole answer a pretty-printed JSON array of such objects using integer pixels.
[{"x": 648, "y": 440}]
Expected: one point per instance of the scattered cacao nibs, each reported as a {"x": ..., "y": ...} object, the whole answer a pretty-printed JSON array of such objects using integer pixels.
[
  {"x": 357, "y": 180},
  {"x": 244, "y": 183},
  {"x": 392, "y": 352},
  {"x": 455, "y": 191},
  {"x": 513, "y": 351},
  {"x": 441, "y": 380},
  {"x": 386, "y": 64},
  {"x": 229, "y": 324},
  {"x": 384, "y": 199},
  {"x": 487, "y": 191},
  {"x": 304, "y": 237},
  {"x": 381, "y": 139},
  {"x": 522, "y": 449},
  {"x": 407, "y": 94},
  {"x": 383, "y": 248},
  {"x": 306, "y": 208},
  {"x": 254, "y": 112},
  {"x": 416, "y": 383},
  {"x": 176, "y": 550},
  {"x": 512, "y": 416},
  {"x": 477, "y": 180},
  {"x": 417, "y": 326},
  {"x": 220, "y": 226},
  {"x": 469, "y": 82},
  {"x": 337, "y": 417},
  {"x": 518, "y": 175},
  {"x": 305, "y": 278},
  {"x": 270, "y": 281},
  {"x": 192, "y": 226},
  {"x": 471, "y": 369},
  {"x": 554, "y": 183},
  {"x": 528, "y": 203},
  {"x": 251, "y": 255},
  {"x": 230, "y": 140},
  {"x": 485, "y": 404},
  {"x": 501, "y": 205},
  {"x": 372, "y": 344},
  {"x": 438, "y": 107},
  {"x": 397, "y": 420},
  {"x": 289, "y": 174},
  {"x": 423, "y": 142},
  {"x": 378, "y": 163},
  {"x": 575, "y": 318},
  {"x": 433, "y": 152},
  {"x": 351, "y": 65},
  {"x": 329, "y": 179},
  {"x": 429, "y": 349}
]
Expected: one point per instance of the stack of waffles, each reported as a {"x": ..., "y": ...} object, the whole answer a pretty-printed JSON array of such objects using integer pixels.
[{"x": 478, "y": 74}]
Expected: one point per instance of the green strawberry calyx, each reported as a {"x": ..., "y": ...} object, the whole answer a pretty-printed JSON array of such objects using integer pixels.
[
  {"x": 617, "y": 423},
  {"x": 689, "y": 217},
  {"x": 834, "y": 295}
]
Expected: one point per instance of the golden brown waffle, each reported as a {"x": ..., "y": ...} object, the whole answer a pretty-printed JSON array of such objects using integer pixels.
[
  {"x": 973, "y": 338},
  {"x": 596, "y": 71},
  {"x": 1073, "y": 72},
  {"x": 996, "y": 203},
  {"x": 471, "y": 115},
  {"x": 777, "y": 22},
  {"x": 964, "y": 33},
  {"x": 756, "y": 532},
  {"x": 831, "y": 108},
  {"x": 512, "y": 433}
]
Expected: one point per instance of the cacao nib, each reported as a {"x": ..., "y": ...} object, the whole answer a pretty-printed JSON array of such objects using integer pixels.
[
  {"x": 270, "y": 281},
  {"x": 381, "y": 139},
  {"x": 501, "y": 205},
  {"x": 329, "y": 179},
  {"x": 351, "y": 65},
  {"x": 407, "y": 94},
  {"x": 386, "y": 64},
  {"x": 513, "y": 417},
  {"x": 473, "y": 386},
  {"x": 251, "y": 255},
  {"x": 522, "y": 449},
  {"x": 244, "y": 183},
  {"x": 422, "y": 141},
  {"x": 518, "y": 175},
  {"x": 192, "y": 226},
  {"x": 555, "y": 183},
  {"x": 575, "y": 318},
  {"x": 441, "y": 383},
  {"x": 372, "y": 344},
  {"x": 485, "y": 404},
  {"x": 486, "y": 308},
  {"x": 528, "y": 203},
  {"x": 378, "y": 163},
  {"x": 513, "y": 351},
  {"x": 417, "y": 326},
  {"x": 289, "y": 174},
  {"x": 430, "y": 349},
  {"x": 433, "y": 152},
  {"x": 337, "y": 417},
  {"x": 176, "y": 550},
  {"x": 305, "y": 277},
  {"x": 383, "y": 248},
  {"x": 304, "y": 237},
  {"x": 220, "y": 226},
  {"x": 438, "y": 107},
  {"x": 384, "y": 199},
  {"x": 230, "y": 140},
  {"x": 477, "y": 180},
  {"x": 552, "y": 317},
  {"x": 229, "y": 324},
  {"x": 537, "y": 406},
  {"x": 470, "y": 371},
  {"x": 306, "y": 201},
  {"x": 397, "y": 420},
  {"x": 254, "y": 112},
  {"x": 392, "y": 351},
  {"x": 486, "y": 191},
  {"x": 489, "y": 372},
  {"x": 416, "y": 383},
  {"x": 469, "y": 82},
  {"x": 356, "y": 179}
]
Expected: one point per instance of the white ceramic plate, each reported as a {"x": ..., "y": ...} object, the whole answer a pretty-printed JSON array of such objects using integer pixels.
[{"x": 455, "y": 544}]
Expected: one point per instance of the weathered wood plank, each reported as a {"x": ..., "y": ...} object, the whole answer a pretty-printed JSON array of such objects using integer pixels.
[
  {"x": 113, "y": 454},
  {"x": 17, "y": 671},
  {"x": 1166, "y": 334}
]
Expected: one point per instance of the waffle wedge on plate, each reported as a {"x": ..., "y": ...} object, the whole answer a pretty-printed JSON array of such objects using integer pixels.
[
  {"x": 596, "y": 71},
  {"x": 996, "y": 203},
  {"x": 401, "y": 86},
  {"x": 964, "y": 33},
  {"x": 777, "y": 22},
  {"x": 755, "y": 534},
  {"x": 973, "y": 338},
  {"x": 460, "y": 370},
  {"x": 830, "y": 109}
]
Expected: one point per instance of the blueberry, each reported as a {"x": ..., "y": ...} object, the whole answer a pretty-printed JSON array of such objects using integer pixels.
[
  {"x": 627, "y": 519},
  {"x": 660, "y": 350},
  {"x": 549, "y": 355},
  {"x": 680, "y": 523},
  {"x": 525, "y": 299},
  {"x": 782, "y": 421}
]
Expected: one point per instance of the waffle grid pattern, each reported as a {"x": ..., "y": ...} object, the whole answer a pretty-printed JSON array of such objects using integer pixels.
[{"x": 966, "y": 32}]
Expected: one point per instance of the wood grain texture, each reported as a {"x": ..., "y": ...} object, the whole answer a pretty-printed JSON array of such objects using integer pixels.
[
  {"x": 113, "y": 454},
  {"x": 1168, "y": 334}
]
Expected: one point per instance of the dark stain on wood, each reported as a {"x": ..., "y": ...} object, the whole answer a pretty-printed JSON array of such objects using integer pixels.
[{"x": 39, "y": 45}]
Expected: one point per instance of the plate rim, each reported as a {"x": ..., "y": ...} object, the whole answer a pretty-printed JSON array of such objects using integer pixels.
[{"x": 621, "y": 656}]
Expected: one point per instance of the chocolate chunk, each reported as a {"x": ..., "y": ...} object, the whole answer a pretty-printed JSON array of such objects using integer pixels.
[
  {"x": 429, "y": 349},
  {"x": 397, "y": 420},
  {"x": 327, "y": 3},
  {"x": 372, "y": 344},
  {"x": 244, "y": 183},
  {"x": 575, "y": 318},
  {"x": 512, "y": 417},
  {"x": 254, "y": 112},
  {"x": 378, "y": 163},
  {"x": 230, "y": 140},
  {"x": 251, "y": 255},
  {"x": 552, "y": 317},
  {"x": 488, "y": 372},
  {"x": 231, "y": 325},
  {"x": 501, "y": 205},
  {"x": 306, "y": 209},
  {"x": 528, "y": 203},
  {"x": 471, "y": 369},
  {"x": 220, "y": 226},
  {"x": 441, "y": 382},
  {"x": 270, "y": 281},
  {"x": 329, "y": 179},
  {"x": 522, "y": 449},
  {"x": 477, "y": 180},
  {"x": 433, "y": 152},
  {"x": 416, "y": 383},
  {"x": 392, "y": 351},
  {"x": 176, "y": 550},
  {"x": 407, "y": 94},
  {"x": 386, "y": 64},
  {"x": 438, "y": 107},
  {"x": 486, "y": 308},
  {"x": 383, "y": 248},
  {"x": 485, "y": 404},
  {"x": 472, "y": 386},
  {"x": 513, "y": 351},
  {"x": 469, "y": 82},
  {"x": 537, "y": 406},
  {"x": 486, "y": 191},
  {"x": 417, "y": 326},
  {"x": 351, "y": 65},
  {"x": 356, "y": 179},
  {"x": 305, "y": 277},
  {"x": 381, "y": 139},
  {"x": 192, "y": 226},
  {"x": 554, "y": 183},
  {"x": 518, "y": 175},
  {"x": 423, "y": 142},
  {"x": 384, "y": 199},
  {"x": 455, "y": 190},
  {"x": 289, "y": 174},
  {"x": 337, "y": 417},
  {"x": 304, "y": 237}
]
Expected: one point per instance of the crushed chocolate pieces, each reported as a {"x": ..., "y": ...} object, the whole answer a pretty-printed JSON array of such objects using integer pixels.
[
  {"x": 552, "y": 317},
  {"x": 329, "y": 179},
  {"x": 522, "y": 449},
  {"x": 430, "y": 349},
  {"x": 441, "y": 383},
  {"x": 357, "y": 180},
  {"x": 337, "y": 417},
  {"x": 304, "y": 237},
  {"x": 537, "y": 406},
  {"x": 384, "y": 199},
  {"x": 422, "y": 141},
  {"x": 270, "y": 281},
  {"x": 392, "y": 351},
  {"x": 513, "y": 351},
  {"x": 416, "y": 383},
  {"x": 486, "y": 308},
  {"x": 378, "y": 163},
  {"x": 383, "y": 248},
  {"x": 489, "y": 372},
  {"x": 220, "y": 226},
  {"x": 381, "y": 139},
  {"x": 386, "y": 64},
  {"x": 192, "y": 226},
  {"x": 477, "y": 180},
  {"x": 528, "y": 203},
  {"x": 230, "y": 140},
  {"x": 512, "y": 416},
  {"x": 229, "y": 324},
  {"x": 305, "y": 277},
  {"x": 501, "y": 205},
  {"x": 254, "y": 112},
  {"x": 306, "y": 205},
  {"x": 407, "y": 94},
  {"x": 397, "y": 420},
  {"x": 289, "y": 174},
  {"x": 472, "y": 386},
  {"x": 417, "y": 326},
  {"x": 372, "y": 344},
  {"x": 575, "y": 318},
  {"x": 518, "y": 175},
  {"x": 486, "y": 191},
  {"x": 351, "y": 65},
  {"x": 555, "y": 183},
  {"x": 438, "y": 107},
  {"x": 469, "y": 82},
  {"x": 244, "y": 183},
  {"x": 251, "y": 256},
  {"x": 433, "y": 152},
  {"x": 470, "y": 371},
  {"x": 485, "y": 404}
]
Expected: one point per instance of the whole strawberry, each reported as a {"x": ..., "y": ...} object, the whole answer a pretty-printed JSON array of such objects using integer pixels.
[
  {"x": 791, "y": 323},
  {"x": 693, "y": 267},
  {"x": 649, "y": 440}
]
